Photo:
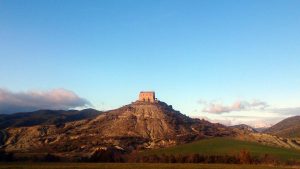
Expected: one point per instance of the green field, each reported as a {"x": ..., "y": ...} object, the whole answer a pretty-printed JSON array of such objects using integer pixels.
[
  {"x": 227, "y": 146},
  {"x": 130, "y": 166}
]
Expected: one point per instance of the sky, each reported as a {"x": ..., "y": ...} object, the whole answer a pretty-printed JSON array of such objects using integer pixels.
[{"x": 226, "y": 61}]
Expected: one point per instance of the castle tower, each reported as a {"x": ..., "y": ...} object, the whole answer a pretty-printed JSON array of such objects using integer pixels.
[{"x": 147, "y": 96}]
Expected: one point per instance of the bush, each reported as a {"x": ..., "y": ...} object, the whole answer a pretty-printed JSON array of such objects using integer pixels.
[
  {"x": 5, "y": 156},
  {"x": 108, "y": 155},
  {"x": 51, "y": 158},
  {"x": 244, "y": 157}
]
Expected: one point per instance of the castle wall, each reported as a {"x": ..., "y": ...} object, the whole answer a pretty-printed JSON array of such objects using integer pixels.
[{"x": 147, "y": 97}]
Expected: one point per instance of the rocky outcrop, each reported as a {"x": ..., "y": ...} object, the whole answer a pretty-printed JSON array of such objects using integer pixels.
[{"x": 245, "y": 128}]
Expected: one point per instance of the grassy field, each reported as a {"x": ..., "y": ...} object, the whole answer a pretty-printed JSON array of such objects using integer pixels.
[
  {"x": 130, "y": 166},
  {"x": 229, "y": 146}
]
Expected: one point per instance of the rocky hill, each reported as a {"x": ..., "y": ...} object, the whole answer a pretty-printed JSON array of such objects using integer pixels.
[
  {"x": 247, "y": 133},
  {"x": 289, "y": 128},
  {"x": 244, "y": 128},
  {"x": 45, "y": 117},
  {"x": 139, "y": 125}
]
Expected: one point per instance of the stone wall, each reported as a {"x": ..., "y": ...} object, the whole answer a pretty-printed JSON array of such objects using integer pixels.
[{"x": 147, "y": 97}]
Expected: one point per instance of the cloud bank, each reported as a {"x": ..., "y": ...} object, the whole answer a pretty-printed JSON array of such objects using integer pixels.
[
  {"x": 290, "y": 111},
  {"x": 219, "y": 108},
  {"x": 254, "y": 113},
  {"x": 11, "y": 102}
]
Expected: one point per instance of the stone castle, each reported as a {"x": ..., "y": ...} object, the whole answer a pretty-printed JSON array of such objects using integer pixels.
[{"x": 147, "y": 96}]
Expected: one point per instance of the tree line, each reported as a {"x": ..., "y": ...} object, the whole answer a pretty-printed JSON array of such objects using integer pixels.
[{"x": 113, "y": 156}]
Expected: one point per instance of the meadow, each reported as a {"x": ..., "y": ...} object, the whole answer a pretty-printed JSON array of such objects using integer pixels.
[
  {"x": 227, "y": 146},
  {"x": 132, "y": 166}
]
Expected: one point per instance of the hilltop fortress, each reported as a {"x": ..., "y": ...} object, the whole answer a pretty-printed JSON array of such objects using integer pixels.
[{"x": 147, "y": 96}]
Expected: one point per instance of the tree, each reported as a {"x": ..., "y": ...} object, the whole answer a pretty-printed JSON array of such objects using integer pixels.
[{"x": 244, "y": 157}]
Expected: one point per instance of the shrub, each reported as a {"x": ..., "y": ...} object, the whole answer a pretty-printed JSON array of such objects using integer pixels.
[
  {"x": 51, "y": 158},
  {"x": 244, "y": 157},
  {"x": 109, "y": 155}
]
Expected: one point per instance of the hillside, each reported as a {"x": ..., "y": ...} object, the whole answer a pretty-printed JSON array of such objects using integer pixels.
[
  {"x": 226, "y": 146},
  {"x": 45, "y": 117},
  {"x": 289, "y": 128},
  {"x": 138, "y": 125},
  {"x": 244, "y": 128}
]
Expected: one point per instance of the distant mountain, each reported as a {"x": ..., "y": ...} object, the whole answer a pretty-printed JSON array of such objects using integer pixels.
[
  {"x": 289, "y": 128},
  {"x": 244, "y": 127},
  {"x": 261, "y": 129},
  {"x": 138, "y": 125},
  {"x": 45, "y": 117}
]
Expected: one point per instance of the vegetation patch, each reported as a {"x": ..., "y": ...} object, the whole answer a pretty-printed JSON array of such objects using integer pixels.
[{"x": 131, "y": 166}]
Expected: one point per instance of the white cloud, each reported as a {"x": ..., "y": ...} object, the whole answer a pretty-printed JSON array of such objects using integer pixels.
[
  {"x": 254, "y": 113},
  {"x": 11, "y": 102},
  {"x": 219, "y": 108},
  {"x": 290, "y": 111},
  {"x": 254, "y": 121}
]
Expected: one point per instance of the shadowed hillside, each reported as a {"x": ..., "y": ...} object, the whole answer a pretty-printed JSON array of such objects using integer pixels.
[
  {"x": 289, "y": 127},
  {"x": 45, "y": 117}
]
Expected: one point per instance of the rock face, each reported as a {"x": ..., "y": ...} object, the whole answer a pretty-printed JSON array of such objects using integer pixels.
[{"x": 135, "y": 126}]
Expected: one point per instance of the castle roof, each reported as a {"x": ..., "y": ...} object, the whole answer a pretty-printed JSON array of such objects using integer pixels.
[{"x": 147, "y": 92}]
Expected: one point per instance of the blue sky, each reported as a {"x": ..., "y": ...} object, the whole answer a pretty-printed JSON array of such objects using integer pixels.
[{"x": 220, "y": 51}]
